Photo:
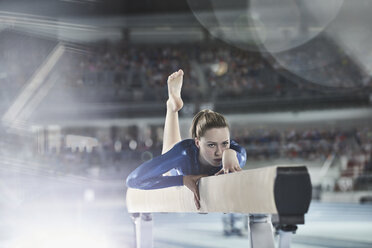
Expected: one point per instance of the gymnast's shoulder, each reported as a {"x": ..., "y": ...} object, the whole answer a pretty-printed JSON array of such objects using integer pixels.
[{"x": 185, "y": 146}]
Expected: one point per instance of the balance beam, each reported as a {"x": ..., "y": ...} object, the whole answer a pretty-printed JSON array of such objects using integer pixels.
[{"x": 278, "y": 190}]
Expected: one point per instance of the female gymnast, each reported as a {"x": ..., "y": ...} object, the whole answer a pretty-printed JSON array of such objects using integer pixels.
[{"x": 209, "y": 152}]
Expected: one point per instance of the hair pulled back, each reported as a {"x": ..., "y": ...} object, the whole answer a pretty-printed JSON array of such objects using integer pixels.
[{"x": 205, "y": 120}]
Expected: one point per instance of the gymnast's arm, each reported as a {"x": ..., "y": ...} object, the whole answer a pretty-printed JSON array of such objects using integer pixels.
[
  {"x": 241, "y": 153},
  {"x": 233, "y": 159},
  {"x": 149, "y": 175}
]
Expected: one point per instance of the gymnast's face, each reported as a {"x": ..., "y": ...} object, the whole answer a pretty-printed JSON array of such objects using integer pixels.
[{"x": 212, "y": 145}]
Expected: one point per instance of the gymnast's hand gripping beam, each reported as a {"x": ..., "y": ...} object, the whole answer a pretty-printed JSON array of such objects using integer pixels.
[{"x": 283, "y": 191}]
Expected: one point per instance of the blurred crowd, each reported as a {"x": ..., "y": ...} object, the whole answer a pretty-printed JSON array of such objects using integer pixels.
[
  {"x": 212, "y": 73},
  {"x": 261, "y": 145},
  {"x": 121, "y": 72},
  {"x": 311, "y": 144},
  {"x": 118, "y": 153},
  {"x": 215, "y": 71},
  {"x": 231, "y": 73},
  {"x": 324, "y": 62},
  {"x": 138, "y": 73}
]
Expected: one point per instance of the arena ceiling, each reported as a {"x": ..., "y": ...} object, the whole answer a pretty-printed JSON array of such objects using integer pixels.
[{"x": 71, "y": 8}]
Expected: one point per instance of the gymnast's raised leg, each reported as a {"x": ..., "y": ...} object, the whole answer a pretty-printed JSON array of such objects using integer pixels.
[
  {"x": 172, "y": 134},
  {"x": 143, "y": 221}
]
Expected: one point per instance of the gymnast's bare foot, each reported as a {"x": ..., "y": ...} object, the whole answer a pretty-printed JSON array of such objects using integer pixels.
[{"x": 175, "y": 80}]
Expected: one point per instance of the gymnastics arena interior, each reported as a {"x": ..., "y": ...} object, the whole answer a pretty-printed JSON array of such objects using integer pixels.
[{"x": 83, "y": 87}]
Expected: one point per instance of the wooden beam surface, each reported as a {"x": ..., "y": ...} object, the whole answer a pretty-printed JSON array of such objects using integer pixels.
[{"x": 249, "y": 191}]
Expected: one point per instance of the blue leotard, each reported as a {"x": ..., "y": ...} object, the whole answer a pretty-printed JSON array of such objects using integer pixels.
[{"x": 182, "y": 159}]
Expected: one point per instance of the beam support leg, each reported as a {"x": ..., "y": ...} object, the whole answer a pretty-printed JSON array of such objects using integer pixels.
[
  {"x": 143, "y": 226},
  {"x": 261, "y": 231},
  {"x": 285, "y": 235}
]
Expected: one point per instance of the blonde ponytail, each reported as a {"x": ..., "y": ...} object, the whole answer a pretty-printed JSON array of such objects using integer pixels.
[{"x": 205, "y": 120}]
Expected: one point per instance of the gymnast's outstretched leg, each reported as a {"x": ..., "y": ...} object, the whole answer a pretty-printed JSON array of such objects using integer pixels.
[
  {"x": 143, "y": 221},
  {"x": 172, "y": 133}
]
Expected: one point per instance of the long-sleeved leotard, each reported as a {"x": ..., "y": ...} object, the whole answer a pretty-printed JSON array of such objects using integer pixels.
[{"x": 183, "y": 157}]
